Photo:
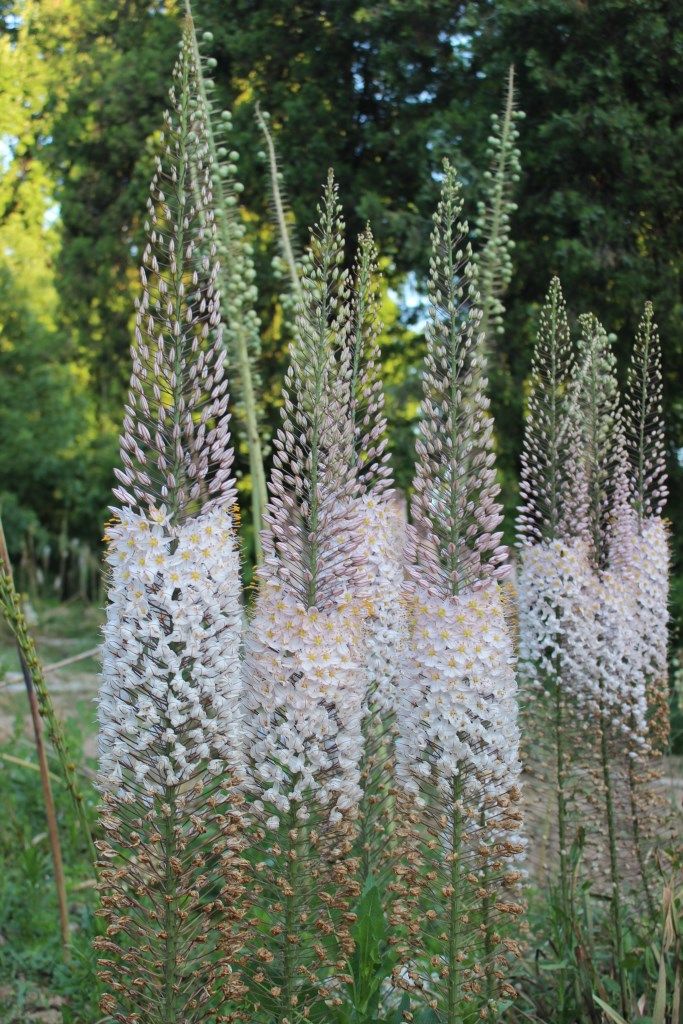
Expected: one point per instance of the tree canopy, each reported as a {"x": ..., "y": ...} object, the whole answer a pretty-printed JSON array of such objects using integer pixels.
[{"x": 380, "y": 92}]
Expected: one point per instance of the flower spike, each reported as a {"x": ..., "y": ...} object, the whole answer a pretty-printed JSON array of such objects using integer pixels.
[
  {"x": 304, "y": 678},
  {"x": 457, "y": 752},
  {"x": 171, "y": 869}
]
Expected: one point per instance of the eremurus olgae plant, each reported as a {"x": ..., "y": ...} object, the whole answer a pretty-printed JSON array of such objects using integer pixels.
[
  {"x": 593, "y": 586},
  {"x": 311, "y": 807},
  {"x": 170, "y": 863},
  {"x": 304, "y": 674},
  {"x": 457, "y": 752}
]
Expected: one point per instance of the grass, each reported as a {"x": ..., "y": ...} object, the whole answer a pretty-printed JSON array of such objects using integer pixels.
[{"x": 35, "y": 984}]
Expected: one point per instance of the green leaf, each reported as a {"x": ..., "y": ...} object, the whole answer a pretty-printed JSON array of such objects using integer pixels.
[
  {"x": 372, "y": 958},
  {"x": 659, "y": 1010},
  {"x": 611, "y": 1013}
]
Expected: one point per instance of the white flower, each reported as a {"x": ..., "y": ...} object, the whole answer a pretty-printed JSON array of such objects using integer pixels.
[
  {"x": 458, "y": 713},
  {"x": 171, "y": 651},
  {"x": 381, "y": 548},
  {"x": 304, "y": 702}
]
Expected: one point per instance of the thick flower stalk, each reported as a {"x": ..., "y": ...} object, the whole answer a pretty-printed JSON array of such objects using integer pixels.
[
  {"x": 281, "y": 213},
  {"x": 457, "y": 753},
  {"x": 170, "y": 866},
  {"x": 304, "y": 680},
  {"x": 639, "y": 569},
  {"x": 236, "y": 275}
]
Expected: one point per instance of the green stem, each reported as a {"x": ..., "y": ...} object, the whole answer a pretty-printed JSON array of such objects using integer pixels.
[
  {"x": 259, "y": 493},
  {"x": 455, "y": 910},
  {"x": 486, "y": 920},
  {"x": 279, "y": 207},
  {"x": 36, "y": 685},
  {"x": 171, "y": 919},
  {"x": 561, "y": 798},
  {"x": 614, "y": 866},
  {"x": 637, "y": 837},
  {"x": 288, "y": 958}
]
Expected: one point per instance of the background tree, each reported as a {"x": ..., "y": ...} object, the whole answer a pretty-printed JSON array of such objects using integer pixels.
[{"x": 382, "y": 93}]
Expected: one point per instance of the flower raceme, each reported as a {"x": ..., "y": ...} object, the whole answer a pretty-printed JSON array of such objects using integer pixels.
[
  {"x": 304, "y": 682},
  {"x": 593, "y": 600},
  {"x": 380, "y": 545},
  {"x": 645, "y": 446},
  {"x": 459, "y": 698},
  {"x": 457, "y": 752},
  {"x": 169, "y": 711}
]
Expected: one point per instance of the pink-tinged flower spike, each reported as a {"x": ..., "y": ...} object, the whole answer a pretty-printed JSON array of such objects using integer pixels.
[
  {"x": 556, "y": 594},
  {"x": 644, "y": 422},
  {"x": 604, "y": 681},
  {"x": 639, "y": 570},
  {"x": 603, "y": 665},
  {"x": 171, "y": 871},
  {"x": 304, "y": 672},
  {"x": 457, "y": 753},
  {"x": 645, "y": 443},
  {"x": 381, "y": 545},
  {"x": 548, "y": 479}
]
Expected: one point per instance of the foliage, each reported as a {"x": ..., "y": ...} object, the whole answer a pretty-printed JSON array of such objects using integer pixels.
[
  {"x": 597, "y": 199},
  {"x": 31, "y": 972}
]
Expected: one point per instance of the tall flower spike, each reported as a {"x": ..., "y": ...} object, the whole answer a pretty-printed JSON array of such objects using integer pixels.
[
  {"x": 364, "y": 360},
  {"x": 645, "y": 441},
  {"x": 597, "y": 405},
  {"x": 170, "y": 868},
  {"x": 381, "y": 544},
  {"x": 457, "y": 754},
  {"x": 555, "y": 588},
  {"x": 304, "y": 682},
  {"x": 309, "y": 546},
  {"x": 641, "y": 567},
  {"x": 548, "y": 484},
  {"x": 494, "y": 262},
  {"x": 455, "y": 510},
  {"x": 604, "y": 665},
  {"x": 643, "y": 420},
  {"x": 236, "y": 274}
]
